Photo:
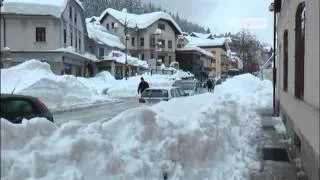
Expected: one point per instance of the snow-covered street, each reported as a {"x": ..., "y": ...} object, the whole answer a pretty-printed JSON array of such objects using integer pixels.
[
  {"x": 103, "y": 112},
  {"x": 207, "y": 136}
]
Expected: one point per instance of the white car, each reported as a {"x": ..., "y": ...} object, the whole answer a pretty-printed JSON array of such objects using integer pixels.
[
  {"x": 155, "y": 95},
  {"x": 191, "y": 87}
]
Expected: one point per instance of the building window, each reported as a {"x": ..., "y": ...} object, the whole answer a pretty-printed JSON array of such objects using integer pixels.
[
  {"x": 112, "y": 25},
  {"x": 71, "y": 36},
  {"x": 141, "y": 42},
  {"x": 142, "y": 56},
  {"x": 170, "y": 44},
  {"x": 299, "y": 50},
  {"x": 108, "y": 26},
  {"x": 132, "y": 41},
  {"x": 162, "y": 43},
  {"x": 285, "y": 60},
  {"x": 153, "y": 41},
  {"x": 76, "y": 40},
  {"x": 40, "y": 34},
  {"x": 64, "y": 36},
  {"x": 161, "y": 26},
  {"x": 79, "y": 43},
  {"x": 75, "y": 17},
  {"x": 70, "y": 13},
  {"x": 152, "y": 56},
  {"x": 101, "y": 52},
  {"x": 170, "y": 59}
]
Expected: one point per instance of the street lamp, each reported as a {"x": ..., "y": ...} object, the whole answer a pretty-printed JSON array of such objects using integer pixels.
[{"x": 116, "y": 26}]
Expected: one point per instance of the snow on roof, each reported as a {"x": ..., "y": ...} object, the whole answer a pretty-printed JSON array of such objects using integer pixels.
[
  {"x": 189, "y": 47},
  {"x": 73, "y": 51},
  {"x": 141, "y": 20},
  {"x": 36, "y": 7},
  {"x": 101, "y": 35},
  {"x": 204, "y": 42},
  {"x": 119, "y": 57}
]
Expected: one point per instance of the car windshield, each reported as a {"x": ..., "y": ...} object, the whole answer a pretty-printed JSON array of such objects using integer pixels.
[
  {"x": 155, "y": 93},
  {"x": 185, "y": 85}
]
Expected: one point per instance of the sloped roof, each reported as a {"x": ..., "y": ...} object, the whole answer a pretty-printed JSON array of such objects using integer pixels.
[
  {"x": 202, "y": 42},
  {"x": 119, "y": 57},
  {"x": 36, "y": 7},
  {"x": 101, "y": 35},
  {"x": 195, "y": 48},
  {"x": 141, "y": 20}
]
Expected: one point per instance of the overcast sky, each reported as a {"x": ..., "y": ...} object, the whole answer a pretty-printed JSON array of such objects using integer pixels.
[{"x": 226, "y": 15}]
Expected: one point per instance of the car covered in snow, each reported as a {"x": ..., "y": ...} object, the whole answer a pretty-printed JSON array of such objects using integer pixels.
[
  {"x": 191, "y": 87},
  {"x": 15, "y": 108},
  {"x": 155, "y": 95}
]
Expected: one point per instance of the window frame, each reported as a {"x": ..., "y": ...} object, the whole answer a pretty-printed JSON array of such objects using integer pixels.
[
  {"x": 70, "y": 13},
  {"x": 161, "y": 26},
  {"x": 141, "y": 42},
  {"x": 133, "y": 43},
  {"x": 101, "y": 49},
  {"x": 64, "y": 36},
  {"x": 41, "y": 34},
  {"x": 285, "y": 60},
  {"x": 170, "y": 44},
  {"x": 299, "y": 50}
]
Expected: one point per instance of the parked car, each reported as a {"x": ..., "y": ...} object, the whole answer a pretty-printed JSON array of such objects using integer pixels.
[
  {"x": 15, "y": 108},
  {"x": 191, "y": 87},
  {"x": 155, "y": 95}
]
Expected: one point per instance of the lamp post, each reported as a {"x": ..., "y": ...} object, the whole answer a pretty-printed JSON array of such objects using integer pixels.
[
  {"x": 126, "y": 22},
  {"x": 157, "y": 33}
]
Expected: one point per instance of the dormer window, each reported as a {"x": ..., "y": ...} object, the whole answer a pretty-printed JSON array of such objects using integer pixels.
[{"x": 161, "y": 26}]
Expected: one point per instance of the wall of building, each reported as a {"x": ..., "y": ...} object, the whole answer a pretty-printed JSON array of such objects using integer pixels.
[
  {"x": 21, "y": 32},
  {"x": 77, "y": 27},
  {"x": 302, "y": 115}
]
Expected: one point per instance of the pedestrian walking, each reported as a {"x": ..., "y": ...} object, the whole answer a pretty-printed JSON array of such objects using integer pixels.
[
  {"x": 142, "y": 86},
  {"x": 209, "y": 85}
]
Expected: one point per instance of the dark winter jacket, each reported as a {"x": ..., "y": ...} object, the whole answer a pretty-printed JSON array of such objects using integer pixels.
[
  {"x": 209, "y": 84},
  {"x": 142, "y": 86}
]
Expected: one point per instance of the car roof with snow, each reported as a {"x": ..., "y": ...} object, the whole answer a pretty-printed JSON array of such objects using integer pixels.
[{"x": 163, "y": 88}]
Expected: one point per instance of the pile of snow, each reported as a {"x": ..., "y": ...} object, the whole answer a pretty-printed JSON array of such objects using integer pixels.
[
  {"x": 36, "y": 78},
  {"x": 35, "y": 7},
  {"x": 198, "y": 137}
]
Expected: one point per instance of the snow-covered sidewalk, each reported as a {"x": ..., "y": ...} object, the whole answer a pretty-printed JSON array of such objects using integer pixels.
[{"x": 208, "y": 136}]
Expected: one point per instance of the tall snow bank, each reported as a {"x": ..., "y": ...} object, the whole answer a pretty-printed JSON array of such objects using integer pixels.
[
  {"x": 36, "y": 78},
  {"x": 209, "y": 136}
]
